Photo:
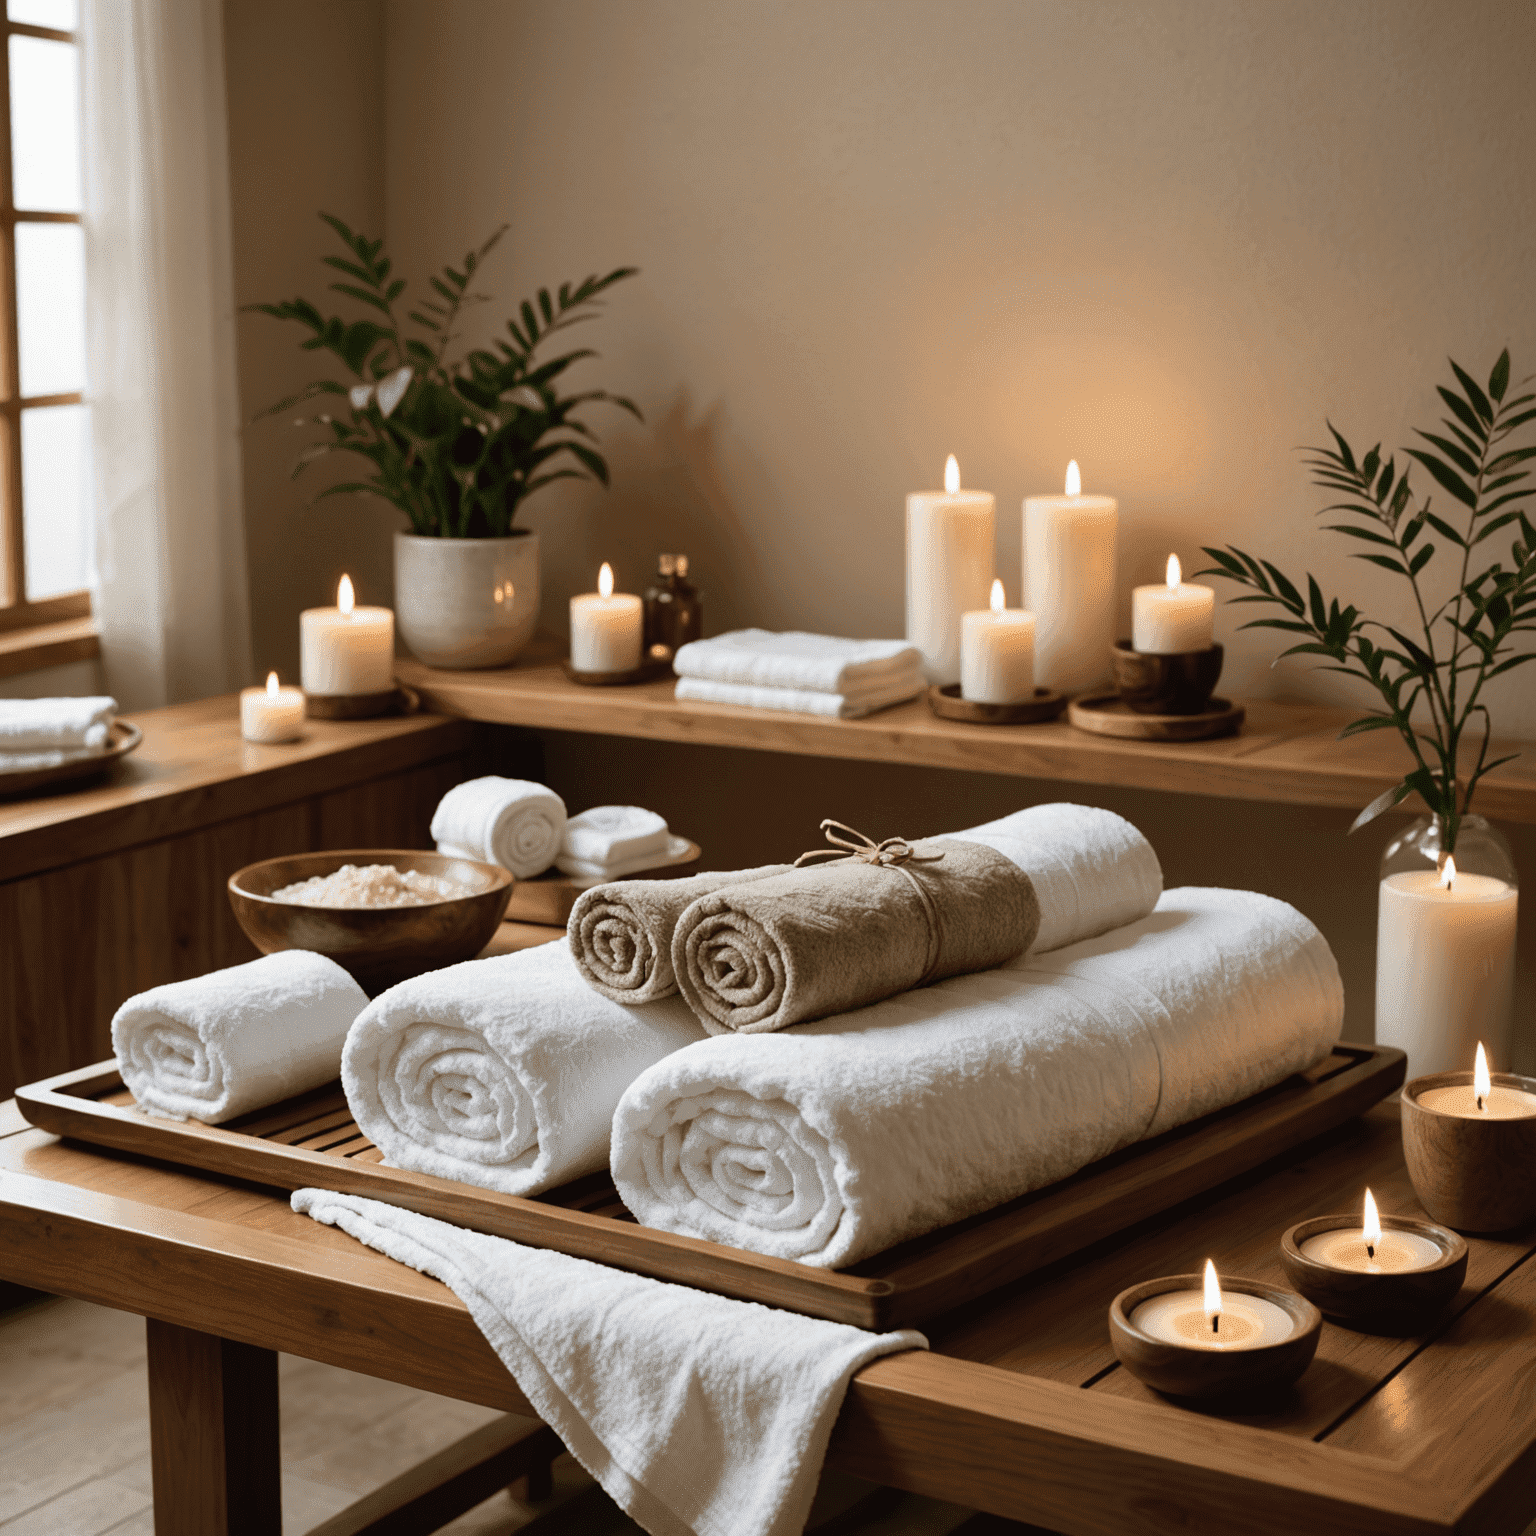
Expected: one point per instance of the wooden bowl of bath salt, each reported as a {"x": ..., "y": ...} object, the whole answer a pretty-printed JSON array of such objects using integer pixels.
[{"x": 384, "y": 914}]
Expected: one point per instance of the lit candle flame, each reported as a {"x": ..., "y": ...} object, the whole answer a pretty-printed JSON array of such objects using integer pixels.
[
  {"x": 271, "y": 685},
  {"x": 1482, "y": 1083},
  {"x": 1212, "y": 1296},
  {"x": 1174, "y": 575},
  {"x": 1074, "y": 479},
  {"x": 999, "y": 601},
  {"x": 951, "y": 475},
  {"x": 605, "y": 580},
  {"x": 1370, "y": 1228},
  {"x": 1448, "y": 874},
  {"x": 345, "y": 600}
]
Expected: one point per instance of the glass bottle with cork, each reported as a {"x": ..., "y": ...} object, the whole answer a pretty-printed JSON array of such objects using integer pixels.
[{"x": 674, "y": 612}]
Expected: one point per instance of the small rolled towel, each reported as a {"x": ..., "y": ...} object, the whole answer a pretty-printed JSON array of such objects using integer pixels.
[
  {"x": 55, "y": 725},
  {"x": 510, "y": 822},
  {"x": 856, "y": 1133},
  {"x": 762, "y": 956},
  {"x": 759, "y": 658},
  {"x": 502, "y": 1072},
  {"x": 621, "y": 933},
  {"x": 221, "y": 1045},
  {"x": 613, "y": 840}
]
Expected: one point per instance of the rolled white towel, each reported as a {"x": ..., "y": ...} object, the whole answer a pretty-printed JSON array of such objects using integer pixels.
[
  {"x": 805, "y": 701},
  {"x": 510, "y": 822},
  {"x": 55, "y": 725},
  {"x": 220, "y": 1045},
  {"x": 502, "y": 1072},
  {"x": 759, "y": 658},
  {"x": 612, "y": 839},
  {"x": 838, "y": 1139}
]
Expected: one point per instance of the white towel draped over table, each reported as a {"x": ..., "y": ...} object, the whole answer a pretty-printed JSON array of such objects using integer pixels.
[
  {"x": 502, "y": 1072},
  {"x": 221, "y": 1045},
  {"x": 700, "y": 1416},
  {"x": 511, "y": 822},
  {"x": 55, "y": 725},
  {"x": 835, "y": 1140}
]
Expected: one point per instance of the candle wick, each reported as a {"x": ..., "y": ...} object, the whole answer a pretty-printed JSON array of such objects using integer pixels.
[
  {"x": 1370, "y": 1250},
  {"x": 1216, "y": 1322},
  {"x": 1479, "y": 1102}
]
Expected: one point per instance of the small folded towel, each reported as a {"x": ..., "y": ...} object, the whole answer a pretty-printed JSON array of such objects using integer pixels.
[
  {"x": 583, "y": 874},
  {"x": 509, "y": 822},
  {"x": 759, "y": 658},
  {"x": 699, "y": 1415},
  {"x": 612, "y": 839},
  {"x": 502, "y": 1072},
  {"x": 220, "y": 1045},
  {"x": 55, "y": 725},
  {"x": 907, "y": 684},
  {"x": 827, "y": 939},
  {"x": 855, "y": 1133},
  {"x": 620, "y": 933}
]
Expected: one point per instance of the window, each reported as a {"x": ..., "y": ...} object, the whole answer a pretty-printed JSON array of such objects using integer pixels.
[{"x": 45, "y": 530}]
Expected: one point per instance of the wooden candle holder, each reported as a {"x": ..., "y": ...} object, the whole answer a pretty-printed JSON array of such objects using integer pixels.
[
  {"x": 1474, "y": 1175},
  {"x": 1180, "y": 684},
  {"x": 1182, "y": 1370},
  {"x": 1043, "y": 704},
  {"x": 646, "y": 672},
  {"x": 398, "y": 700},
  {"x": 1397, "y": 1303}
]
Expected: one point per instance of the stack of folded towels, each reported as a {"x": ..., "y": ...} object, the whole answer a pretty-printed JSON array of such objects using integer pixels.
[
  {"x": 805, "y": 674},
  {"x": 46, "y": 733}
]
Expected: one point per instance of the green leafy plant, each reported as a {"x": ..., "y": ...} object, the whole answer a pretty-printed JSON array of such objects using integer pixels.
[
  {"x": 1471, "y": 636},
  {"x": 457, "y": 446}
]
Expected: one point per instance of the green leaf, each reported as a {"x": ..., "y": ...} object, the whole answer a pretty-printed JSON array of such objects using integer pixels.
[
  {"x": 1509, "y": 460},
  {"x": 1346, "y": 456},
  {"x": 1514, "y": 661},
  {"x": 1385, "y": 562},
  {"x": 1369, "y": 723},
  {"x": 1360, "y": 533},
  {"x": 1230, "y": 565},
  {"x": 1319, "y": 607},
  {"x": 1447, "y": 477},
  {"x": 1463, "y": 461},
  {"x": 1461, "y": 410},
  {"x": 1288, "y": 593},
  {"x": 1295, "y": 626},
  {"x": 1420, "y": 560},
  {"x": 1494, "y": 526},
  {"x": 1498, "y": 380},
  {"x": 1475, "y": 394}
]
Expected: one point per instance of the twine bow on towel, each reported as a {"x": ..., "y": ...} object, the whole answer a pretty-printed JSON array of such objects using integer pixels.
[{"x": 890, "y": 854}]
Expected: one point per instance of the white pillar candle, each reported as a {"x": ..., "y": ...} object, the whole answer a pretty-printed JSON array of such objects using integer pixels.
[
  {"x": 271, "y": 713},
  {"x": 997, "y": 653},
  {"x": 1445, "y": 966},
  {"x": 1482, "y": 1098},
  {"x": 1069, "y": 584},
  {"x": 1173, "y": 618},
  {"x": 1371, "y": 1249},
  {"x": 606, "y": 628},
  {"x": 1241, "y": 1321},
  {"x": 950, "y": 566},
  {"x": 347, "y": 649}
]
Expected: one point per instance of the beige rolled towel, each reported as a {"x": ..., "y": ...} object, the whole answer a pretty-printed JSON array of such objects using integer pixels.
[
  {"x": 621, "y": 932},
  {"x": 828, "y": 939}
]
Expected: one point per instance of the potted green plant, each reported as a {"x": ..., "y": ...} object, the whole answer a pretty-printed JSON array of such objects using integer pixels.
[{"x": 457, "y": 445}]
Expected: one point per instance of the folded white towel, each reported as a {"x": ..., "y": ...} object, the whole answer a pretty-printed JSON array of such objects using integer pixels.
[
  {"x": 609, "y": 839},
  {"x": 52, "y": 725},
  {"x": 759, "y": 658},
  {"x": 907, "y": 684},
  {"x": 587, "y": 875},
  {"x": 221, "y": 1045},
  {"x": 837, "y": 1139},
  {"x": 696, "y": 1413},
  {"x": 509, "y": 822},
  {"x": 1092, "y": 870},
  {"x": 502, "y": 1072}
]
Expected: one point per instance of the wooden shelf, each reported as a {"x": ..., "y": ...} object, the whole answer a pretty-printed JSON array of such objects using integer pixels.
[{"x": 1286, "y": 753}]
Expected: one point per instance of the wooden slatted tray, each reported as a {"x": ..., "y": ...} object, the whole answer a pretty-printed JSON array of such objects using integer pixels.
[{"x": 313, "y": 1140}]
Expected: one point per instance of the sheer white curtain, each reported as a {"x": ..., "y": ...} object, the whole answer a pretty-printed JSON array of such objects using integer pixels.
[{"x": 172, "y": 598}]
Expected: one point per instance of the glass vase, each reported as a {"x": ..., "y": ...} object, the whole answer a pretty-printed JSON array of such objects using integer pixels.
[{"x": 1445, "y": 946}]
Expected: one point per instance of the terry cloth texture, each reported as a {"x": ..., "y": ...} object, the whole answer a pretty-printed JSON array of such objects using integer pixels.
[
  {"x": 834, "y": 937},
  {"x": 224, "y": 1044},
  {"x": 699, "y": 1415},
  {"x": 841, "y": 1138},
  {"x": 510, "y": 822},
  {"x": 502, "y": 1072},
  {"x": 759, "y": 658},
  {"x": 805, "y": 701},
  {"x": 612, "y": 839},
  {"x": 55, "y": 725}
]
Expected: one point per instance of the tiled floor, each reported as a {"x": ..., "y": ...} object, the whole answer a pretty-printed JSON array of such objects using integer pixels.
[{"x": 74, "y": 1446}]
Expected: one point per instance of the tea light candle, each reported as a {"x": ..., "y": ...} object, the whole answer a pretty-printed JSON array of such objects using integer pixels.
[
  {"x": 606, "y": 628},
  {"x": 1213, "y": 1320},
  {"x": 272, "y": 713},
  {"x": 1482, "y": 1098},
  {"x": 1370, "y": 1250},
  {"x": 1176, "y": 617},
  {"x": 347, "y": 649},
  {"x": 1069, "y": 584},
  {"x": 997, "y": 653},
  {"x": 950, "y": 566}
]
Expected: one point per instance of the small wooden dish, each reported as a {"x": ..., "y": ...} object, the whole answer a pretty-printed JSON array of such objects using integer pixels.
[
  {"x": 548, "y": 898},
  {"x": 398, "y": 700},
  {"x": 948, "y": 705},
  {"x": 1107, "y": 714},
  {"x": 1184, "y": 1371},
  {"x": 1474, "y": 1175},
  {"x": 646, "y": 672},
  {"x": 379, "y": 946},
  {"x": 124, "y": 737},
  {"x": 1397, "y": 1303},
  {"x": 1176, "y": 684}
]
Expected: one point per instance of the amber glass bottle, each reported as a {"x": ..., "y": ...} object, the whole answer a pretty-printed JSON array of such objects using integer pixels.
[{"x": 674, "y": 612}]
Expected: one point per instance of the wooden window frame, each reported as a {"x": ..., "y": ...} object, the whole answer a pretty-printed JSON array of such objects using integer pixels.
[{"x": 16, "y": 610}]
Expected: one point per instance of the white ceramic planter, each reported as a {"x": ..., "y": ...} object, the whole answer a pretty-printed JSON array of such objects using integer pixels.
[{"x": 465, "y": 603}]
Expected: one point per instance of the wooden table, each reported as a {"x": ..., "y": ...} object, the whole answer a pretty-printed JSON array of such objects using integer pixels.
[{"x": 1019, "y": 1409}]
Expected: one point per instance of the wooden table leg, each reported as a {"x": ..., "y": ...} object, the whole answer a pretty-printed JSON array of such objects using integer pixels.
[{"x": 213, "y": 1435}]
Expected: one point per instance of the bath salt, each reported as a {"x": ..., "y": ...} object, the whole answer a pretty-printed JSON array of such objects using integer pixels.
[{"x": 371, "y": 885}]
